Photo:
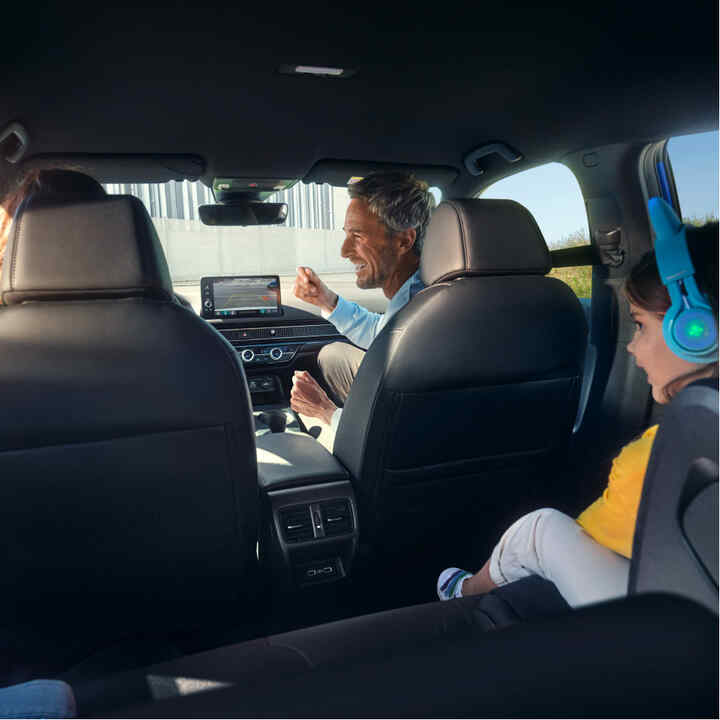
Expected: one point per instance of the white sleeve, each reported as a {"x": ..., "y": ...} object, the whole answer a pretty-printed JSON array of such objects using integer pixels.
[
  {"x": 335, "y": 420},
  {"x": 355, "y": 322}
]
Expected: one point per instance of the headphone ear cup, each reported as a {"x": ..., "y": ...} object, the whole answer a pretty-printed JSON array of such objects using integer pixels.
[{"x": 691, "y": 333}]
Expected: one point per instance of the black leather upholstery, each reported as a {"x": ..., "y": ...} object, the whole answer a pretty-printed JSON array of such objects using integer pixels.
[
  {"x": 470, "y": 390},
  {"x": 483, "y": 237},
  {"x": 675, "y": 548},
  {"x": 438, "y": 661},
  {"x": 288, "y": 460},
  {"x": 129, "y": 497},
  {"x": 104, "y": 247}
]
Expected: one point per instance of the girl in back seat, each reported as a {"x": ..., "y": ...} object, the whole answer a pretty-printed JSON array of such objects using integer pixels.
[{"x": 588, "y": 558}]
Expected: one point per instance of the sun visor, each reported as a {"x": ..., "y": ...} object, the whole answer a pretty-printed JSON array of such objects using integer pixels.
[
  {"x": 124, "y": 168},
  {"x": 341, "y": 173}
]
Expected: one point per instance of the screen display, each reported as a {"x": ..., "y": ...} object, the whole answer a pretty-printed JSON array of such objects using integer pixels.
[{"x": 241, "y": 296}]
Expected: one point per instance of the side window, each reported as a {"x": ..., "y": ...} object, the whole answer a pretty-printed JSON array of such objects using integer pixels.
[
  {"x": 552, "y": 194},
  {"x": 694, "y": 160}
]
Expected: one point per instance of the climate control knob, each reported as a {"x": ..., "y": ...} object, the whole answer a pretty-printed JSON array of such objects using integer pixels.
[
  {"x": 208, "y": 304},
  {"x": 247, "y": 355},
  {"x": 276, "y": 354}
]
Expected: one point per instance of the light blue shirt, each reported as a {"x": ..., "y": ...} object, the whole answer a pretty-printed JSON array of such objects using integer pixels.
[{"x": 362, "y": 326}]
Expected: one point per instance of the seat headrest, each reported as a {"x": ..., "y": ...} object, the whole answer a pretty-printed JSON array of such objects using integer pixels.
[
  {"x": 482, "y": 237},
  {"x": 67, "y": 246},
  {"x": 60, "y": 180}
]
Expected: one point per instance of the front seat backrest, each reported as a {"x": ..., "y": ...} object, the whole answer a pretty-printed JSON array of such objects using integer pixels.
[
  {"x": 471, "y": 388},
  {"x": 675, "y": 548},
  {"x": 129, "y": 490}
]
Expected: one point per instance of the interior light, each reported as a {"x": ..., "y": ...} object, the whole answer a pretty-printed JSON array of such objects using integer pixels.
[
  {"x": 320, "y": 71},
  {"x": 315, "y": 70}
]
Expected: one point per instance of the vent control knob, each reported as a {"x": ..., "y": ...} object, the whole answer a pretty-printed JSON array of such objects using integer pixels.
[
  {"x": 276, "y": 354},
  {"x": 208, "y": 304},
  {"x": 247, "y": 355}
]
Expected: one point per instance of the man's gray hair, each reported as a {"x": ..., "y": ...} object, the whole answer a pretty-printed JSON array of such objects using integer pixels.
[{"x": 399, "y": 200}]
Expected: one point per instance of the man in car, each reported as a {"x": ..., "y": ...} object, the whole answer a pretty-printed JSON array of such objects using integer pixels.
[{"x": 384, "y": 228}]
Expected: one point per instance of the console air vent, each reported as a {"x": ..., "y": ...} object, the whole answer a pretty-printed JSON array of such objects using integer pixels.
[
  {"x": 337, "y": 517},
  {"x": 271, "y": 333},
  {"x": 296, "y": 524}
]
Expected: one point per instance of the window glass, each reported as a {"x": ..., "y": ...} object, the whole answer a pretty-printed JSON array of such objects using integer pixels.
[
  {"x": 552, "y": 194},
  {"x": 312, "y": 235},
  {"x": 694, "y": 160}
]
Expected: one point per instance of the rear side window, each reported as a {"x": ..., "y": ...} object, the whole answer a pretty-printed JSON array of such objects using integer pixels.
[
  {"x": 552, "y": 194},
  {"x": 694, "y": 160}
]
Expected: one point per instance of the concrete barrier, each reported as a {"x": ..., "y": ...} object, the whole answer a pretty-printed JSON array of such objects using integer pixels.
[{"x": 195, "y": 250}]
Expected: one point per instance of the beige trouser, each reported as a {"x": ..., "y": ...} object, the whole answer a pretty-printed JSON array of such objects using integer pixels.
[
  {"x": 551, "y": 544},
  {"x": 339, "y": 363}
]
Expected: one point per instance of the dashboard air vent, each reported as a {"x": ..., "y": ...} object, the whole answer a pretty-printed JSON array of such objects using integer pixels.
[
  {"x": 296, "y": 523},
  {"x": 337, "y": 517},
  {"x": 272, "y": 333}
]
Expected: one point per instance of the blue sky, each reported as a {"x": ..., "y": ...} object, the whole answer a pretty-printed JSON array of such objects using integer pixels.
[
  {"x": 694, "y": 159},
  {"x": 552, "y": 193}
]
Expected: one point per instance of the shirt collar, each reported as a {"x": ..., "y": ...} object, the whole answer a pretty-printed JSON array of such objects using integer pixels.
[{"x": 410, "y": 287}]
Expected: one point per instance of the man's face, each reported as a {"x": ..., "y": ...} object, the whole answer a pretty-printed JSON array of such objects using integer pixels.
[{"x": 368, "y": 245}]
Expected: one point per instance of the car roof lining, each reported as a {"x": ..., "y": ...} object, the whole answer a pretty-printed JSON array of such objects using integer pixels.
[{"x": 546, "y": 81}]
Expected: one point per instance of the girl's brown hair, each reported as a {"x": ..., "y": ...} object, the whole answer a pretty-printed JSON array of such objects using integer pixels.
[
  {"x": 11, "y": 202},
  {"x": 645, "y": 289}
]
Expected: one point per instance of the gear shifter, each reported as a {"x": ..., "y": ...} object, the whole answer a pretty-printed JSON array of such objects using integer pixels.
[{"x": 274, "y": 419}]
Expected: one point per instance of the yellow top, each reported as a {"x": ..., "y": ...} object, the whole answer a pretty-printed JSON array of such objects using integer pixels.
[{"x": 611, "y": 518}]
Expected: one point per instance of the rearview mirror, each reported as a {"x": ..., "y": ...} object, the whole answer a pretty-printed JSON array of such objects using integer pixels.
[{"x": 247, "y": 213}]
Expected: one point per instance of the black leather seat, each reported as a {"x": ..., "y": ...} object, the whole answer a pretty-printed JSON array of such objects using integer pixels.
[
  {"x": 461, "y": 413},
  {"x": 675, "y": 549},
  {"x": 129, "y": 496},
  {"x": 646, "y": 656}
]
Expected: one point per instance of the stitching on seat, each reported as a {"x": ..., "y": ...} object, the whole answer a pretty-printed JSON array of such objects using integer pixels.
[
  {"x": 299, "y": 652},
  {"x": 461, "y": 224},
  {"x": 16, "y": 244}
]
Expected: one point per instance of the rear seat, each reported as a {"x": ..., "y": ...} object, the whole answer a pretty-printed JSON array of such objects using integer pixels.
[{"x": 439, "y": 660}]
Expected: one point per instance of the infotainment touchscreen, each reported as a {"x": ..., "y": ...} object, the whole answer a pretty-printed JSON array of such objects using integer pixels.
[{"x": 240, "y": 296}]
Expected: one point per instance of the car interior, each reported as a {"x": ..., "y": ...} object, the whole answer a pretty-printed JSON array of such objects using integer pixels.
[{"x": 178, "y": 542}]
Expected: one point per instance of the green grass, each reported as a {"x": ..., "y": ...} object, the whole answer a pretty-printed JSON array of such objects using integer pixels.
[{"x": 578, "y": 278}]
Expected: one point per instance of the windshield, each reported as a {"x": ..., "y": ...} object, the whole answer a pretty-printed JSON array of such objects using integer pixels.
[{"x": 311, "y": 236}]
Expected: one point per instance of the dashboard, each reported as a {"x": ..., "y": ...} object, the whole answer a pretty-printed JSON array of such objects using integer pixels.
[
  {"x": 278, "y": 344},
  {"x": 271, "y": 338},
  {"x": 247, "y": 310}
]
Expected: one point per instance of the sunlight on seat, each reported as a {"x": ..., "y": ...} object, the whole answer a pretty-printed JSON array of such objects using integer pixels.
[
  {"x": 270, "y": 458},
  {"x": 163, "y": 687}
]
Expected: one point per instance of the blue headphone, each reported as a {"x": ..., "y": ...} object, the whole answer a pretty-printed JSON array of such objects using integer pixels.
[{"x": 689, "y": 327}]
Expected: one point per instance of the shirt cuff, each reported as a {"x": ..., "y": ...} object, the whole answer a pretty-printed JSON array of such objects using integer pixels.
[
  {"x": 335, "y": 420},
  {"x": 341, "y": 313}
]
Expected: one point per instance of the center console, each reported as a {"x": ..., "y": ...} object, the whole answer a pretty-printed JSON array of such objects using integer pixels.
[
  {"x": 309, "y": 524},
  {"x": 309, "y": 520}
]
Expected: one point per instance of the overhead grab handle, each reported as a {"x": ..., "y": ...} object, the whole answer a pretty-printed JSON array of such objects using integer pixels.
[
  {"x": 501, "y": 149},
  {"x": 14, "y": 142}
]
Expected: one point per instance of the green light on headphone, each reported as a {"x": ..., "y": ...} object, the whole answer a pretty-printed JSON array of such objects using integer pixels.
[{"x": 695, "y": 329}]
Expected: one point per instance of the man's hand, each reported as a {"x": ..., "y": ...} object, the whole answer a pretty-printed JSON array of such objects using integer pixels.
[
  {"x": 310, "y": 288},
  {"x": 308, "y": 398}
]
